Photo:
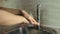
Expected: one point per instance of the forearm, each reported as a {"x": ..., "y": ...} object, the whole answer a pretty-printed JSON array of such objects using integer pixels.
[
  {"x": 11, "y": 10},
  {"x": 16, "y": 11}
]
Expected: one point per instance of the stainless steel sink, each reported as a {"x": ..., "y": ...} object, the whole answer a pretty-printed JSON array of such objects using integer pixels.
[{"x": 43, "y": 30}]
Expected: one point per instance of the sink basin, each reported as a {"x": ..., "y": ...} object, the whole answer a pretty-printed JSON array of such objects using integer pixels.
[{"x": 43, "y": 30}]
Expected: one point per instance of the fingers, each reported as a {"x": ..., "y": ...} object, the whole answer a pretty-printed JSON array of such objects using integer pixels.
[
  {"x": 29, "y": 18},
  {"x": 25, "y": 21},
  {"x": 35, "y": 23},
  {"x": 32, "y": 21}
]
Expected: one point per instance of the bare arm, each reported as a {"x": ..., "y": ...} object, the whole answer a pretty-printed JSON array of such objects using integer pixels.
[
  {"x": 11, "y": 10},
  {"x": 7, "y": 18},
  {"x": 21, "y": 12}
]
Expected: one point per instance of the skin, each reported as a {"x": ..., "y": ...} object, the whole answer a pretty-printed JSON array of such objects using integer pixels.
[{"x": 9, "y": 17}]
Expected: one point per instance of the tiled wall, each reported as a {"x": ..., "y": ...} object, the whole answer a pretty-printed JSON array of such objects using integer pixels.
[
  {"x": 51, "y": 12},
  {"x": 11, "y": 3}
]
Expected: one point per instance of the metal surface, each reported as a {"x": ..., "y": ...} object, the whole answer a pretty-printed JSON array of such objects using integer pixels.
[{"x": 32, "y": 30}]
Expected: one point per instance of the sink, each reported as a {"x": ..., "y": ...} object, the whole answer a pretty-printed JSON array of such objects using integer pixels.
[{"x": 43, "y": 30}]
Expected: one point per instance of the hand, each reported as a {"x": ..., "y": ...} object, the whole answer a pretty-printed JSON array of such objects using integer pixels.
[
  {"x": 28, "y": 17},
  {"x": 33, "y": 21}
]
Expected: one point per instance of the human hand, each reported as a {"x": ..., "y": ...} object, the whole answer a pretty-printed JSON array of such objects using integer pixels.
[{"x": 33, "y": 21}]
